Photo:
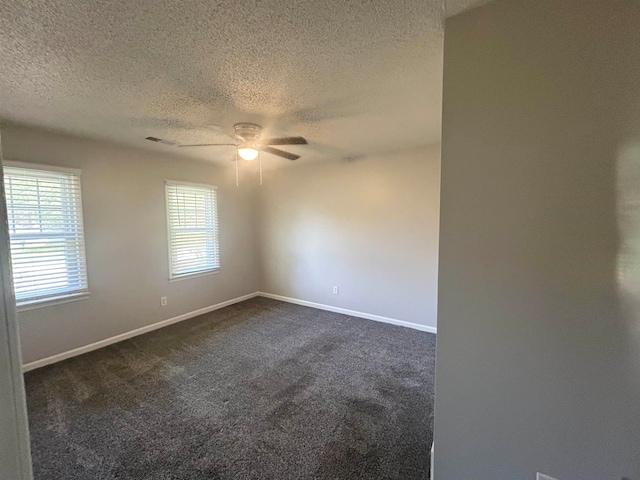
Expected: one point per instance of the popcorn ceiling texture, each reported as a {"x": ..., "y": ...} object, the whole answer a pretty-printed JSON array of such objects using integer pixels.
[{"x": 353, "y": 77}]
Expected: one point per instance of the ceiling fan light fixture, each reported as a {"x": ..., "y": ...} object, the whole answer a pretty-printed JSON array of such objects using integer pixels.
[{"x": 248, "y": 153}]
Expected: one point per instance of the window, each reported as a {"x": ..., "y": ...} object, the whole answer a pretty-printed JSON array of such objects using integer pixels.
[
  {"x": 193, "y": 229},
  {"x": 45, "y": 227}
]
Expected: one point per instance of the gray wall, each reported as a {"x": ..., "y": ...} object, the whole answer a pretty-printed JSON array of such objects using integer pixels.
[
  {"x": 539, "y": 320},
  {"x": 126, "y": 241},
  {"x": 369, "y": 226}
]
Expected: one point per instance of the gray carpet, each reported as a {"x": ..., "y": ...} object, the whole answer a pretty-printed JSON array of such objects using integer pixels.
[{"x": 257, "y": 390}]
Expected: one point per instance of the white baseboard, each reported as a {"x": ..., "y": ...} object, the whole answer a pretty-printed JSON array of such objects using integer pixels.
[
  {"x": 185, "y": 316},
  {"x": 353, "y": 313},
  {"x": 133, "y": 333}
]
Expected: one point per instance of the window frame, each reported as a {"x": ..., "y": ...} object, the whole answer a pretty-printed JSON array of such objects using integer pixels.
[
  {"x": 216, "y": 231},
  {"x": 62, "y": 297}
]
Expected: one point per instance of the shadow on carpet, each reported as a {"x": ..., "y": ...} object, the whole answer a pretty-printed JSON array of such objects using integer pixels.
[{"x": 258, "y": 390}]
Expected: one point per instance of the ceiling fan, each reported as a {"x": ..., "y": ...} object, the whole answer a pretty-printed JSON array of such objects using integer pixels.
[{"x": 250, "y": 145}]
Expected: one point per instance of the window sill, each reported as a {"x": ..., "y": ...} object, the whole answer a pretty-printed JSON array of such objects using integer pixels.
[
  {"x": 202, "y": 273},
  {"x": 35, "y": 304}
]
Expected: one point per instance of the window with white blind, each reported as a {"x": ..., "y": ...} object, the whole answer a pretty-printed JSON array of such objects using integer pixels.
[
  {"x": 192, "y": 217},
  {"x": 44, "y": 209}
]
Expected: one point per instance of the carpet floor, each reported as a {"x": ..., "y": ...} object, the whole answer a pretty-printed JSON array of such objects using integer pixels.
[{"x": 258, "y": 390}]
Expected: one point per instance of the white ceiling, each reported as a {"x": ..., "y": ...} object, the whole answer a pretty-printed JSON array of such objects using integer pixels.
[{"x": 353, "y": 77}]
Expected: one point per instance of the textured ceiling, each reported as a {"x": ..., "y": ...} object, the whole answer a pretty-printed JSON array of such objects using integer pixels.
[{"x": 354, "y": 77}]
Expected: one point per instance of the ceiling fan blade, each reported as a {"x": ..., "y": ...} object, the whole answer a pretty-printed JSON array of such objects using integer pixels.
[
  {"x": 280, "y": 153},
  {"x": 209, "y": 145},
  {"x": 285, "y": 141}
]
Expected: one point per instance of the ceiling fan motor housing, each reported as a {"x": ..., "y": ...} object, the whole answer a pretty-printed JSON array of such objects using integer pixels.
[{"x": 248, "y": 132}]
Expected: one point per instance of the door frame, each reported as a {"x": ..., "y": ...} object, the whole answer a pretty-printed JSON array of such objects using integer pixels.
[{"x": 15, "y": 452}]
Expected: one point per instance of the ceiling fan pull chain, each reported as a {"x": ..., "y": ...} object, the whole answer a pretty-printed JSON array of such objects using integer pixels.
[
  {"x": 260, "y": 161},
  {"x": 237, "y": 182}
]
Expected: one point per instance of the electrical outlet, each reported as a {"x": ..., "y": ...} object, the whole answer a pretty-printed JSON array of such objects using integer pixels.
[
  {"x": 335, "y": 290},
  {"x": 163, "y": 301}
]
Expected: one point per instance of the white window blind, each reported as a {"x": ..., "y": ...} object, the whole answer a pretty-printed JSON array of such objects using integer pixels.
[
  {"x": 45, "y": 226},
  {"x": 192, "y": 216}
]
